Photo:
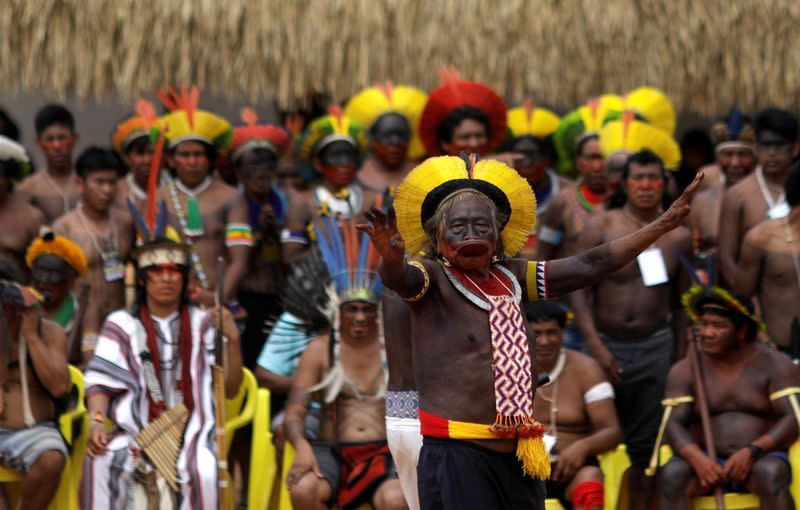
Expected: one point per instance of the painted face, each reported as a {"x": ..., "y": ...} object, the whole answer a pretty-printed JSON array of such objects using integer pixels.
[
  {"x": 287, "y": 174},
  {"x": 717, "y": 333},
  {"x": 139, "y": 160},
  {"x": 645, "y": 186},
  {"x": 337, "y": 163},
  {"x": 736, "y": 163},
  {"x": 615, "y": 168},
  {"x": 390, "y": 136},
  {"x": 99, "y": 188},
  {"x": 590, "y": 165},
  {"x": 57, "y": 142},
  {"x": 534, "y": 163},
  {"x": 549, "y": 338},
  {"x": 164, "y": 284},
  {"x": 191, "y": 162},
  {"x": 775, "y": 153},
  {"x": 469, "y": 136},
  {"x": 52, "y": 277},
  {"x": 468, "y": 239},
  {"x": 257, "y": 172},
  {"x": 359, "y": 319}
]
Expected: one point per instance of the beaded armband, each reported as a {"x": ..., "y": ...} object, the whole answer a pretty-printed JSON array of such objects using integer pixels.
[
  {"x": 238, "y": 234},
  {"x": 536, "y": 281},
  {"x": 425, "y": 284}
]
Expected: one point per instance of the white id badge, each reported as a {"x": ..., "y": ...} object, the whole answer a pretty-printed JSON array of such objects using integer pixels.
[
  {"x": 779, "y": 211},
  {"x": 113, "y": 268},
  {"x": 652, "y": 267}
]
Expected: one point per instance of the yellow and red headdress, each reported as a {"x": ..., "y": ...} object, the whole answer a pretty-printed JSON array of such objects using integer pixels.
[
  {"x": 528, "y": 120},
  {"x": 433, "y": 180},
  {"x": 323, "y": 131},
  {"x": 629, "y": 135},
  {"x": 186, "y": 122},
  {"x": 129, "y": 130},
  {"x": 456, "y": 93},
  {"x": 254, "y": 135},
  {"x": 651, "y": 106},
  {"x": 582, "y": 122},
  {"x": 371, "y": 103}
]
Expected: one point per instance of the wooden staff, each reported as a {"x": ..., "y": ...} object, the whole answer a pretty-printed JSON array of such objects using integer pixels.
[
  {"x": 77, "y": 325},
  {"x": 702, "y": 403},
  {"x": 218, "y": 371}
]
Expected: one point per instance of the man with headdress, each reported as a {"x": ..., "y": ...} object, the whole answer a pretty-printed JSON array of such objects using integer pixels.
[
  {"x": 759, "y": 196},
  {"x": 350, "y": 463},
  {"x": 53, "y": 189},
  {"x": 131, "y": 140},
  {"x": 577, "y": 406},
  {"x": 462, "y": 115},
  {"x": 577, "y": 141},
  {"x": 154, "y": 361},
  {"x": 254, "y": 154},
  {"x": 753, "y": 416},
  {"x": 19, "y": 221},
  {"x": 331, "y": 148},
  {"x": 104, "y": 232},
  {"x": 471, "y": 346},
  {"x": 33, "y": 375},
  {"x": 531, "y": 131},
  {"x": 390, "y": 114},
  {"x": 206, "y": 212},
  {"x": 734, "y": 149},
  {"x": 769, "y": 269},
  {"x": 632, "y": 322},
  {"x": 55, "y": 262}
]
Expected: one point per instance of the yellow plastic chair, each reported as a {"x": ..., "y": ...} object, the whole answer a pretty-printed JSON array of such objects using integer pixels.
[
  {"x": 263, "y": 457},
  {"x": 240, "y": 410},
  {"x": 553, "y": 504},
  {"x": 73, "y": 421},
  {"x": 613, "y": 464}
]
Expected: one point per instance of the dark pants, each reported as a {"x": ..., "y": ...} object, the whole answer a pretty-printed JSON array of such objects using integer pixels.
[
  {"x": 457, "y": 475},
  {"x": 260, "y": 308},
  {"x": 645, "y": 363}
]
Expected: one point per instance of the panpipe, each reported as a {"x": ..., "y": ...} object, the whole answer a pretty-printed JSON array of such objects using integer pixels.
[{"x": 161, "y": 441}]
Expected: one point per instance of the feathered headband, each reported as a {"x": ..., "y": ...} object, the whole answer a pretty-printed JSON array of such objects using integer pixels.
[
  {"x": 734, "y": 131},
  {"x": 431, "y": 182},
  {"x": 529, "y": 120},
  {"x": 581, "y": 123},
  {"x": 254, "y": 135},
  {"x": 653, "y": 107},
  {"x": 13, "y": 152},
  {"x": 59, "y": 246},
  {"x": 629, "y": 136},
  {"x": 323, "y": 131},
  {"x": 186, "y": 122},
  {"x": 129, "y": 130}
]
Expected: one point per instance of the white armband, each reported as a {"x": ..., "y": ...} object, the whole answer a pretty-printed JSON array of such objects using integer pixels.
[{"x": 599, "y": 391}]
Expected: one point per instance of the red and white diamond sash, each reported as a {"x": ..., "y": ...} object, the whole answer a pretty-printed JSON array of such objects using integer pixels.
[{"x": 513, "y": 380}]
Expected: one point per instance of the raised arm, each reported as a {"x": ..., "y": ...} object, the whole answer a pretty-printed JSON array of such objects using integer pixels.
[
  {"x": 586, "y": 269},
  {"x": 397, "y": 274}
]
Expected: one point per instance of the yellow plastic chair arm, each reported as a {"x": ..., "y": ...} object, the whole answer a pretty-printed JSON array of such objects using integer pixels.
[
  {"x": 66, "y": 421},
  {"x": 239, "y": 416},
  {"x": 263, "y": 459}
]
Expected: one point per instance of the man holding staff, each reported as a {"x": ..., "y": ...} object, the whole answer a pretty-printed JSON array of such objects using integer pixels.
[{"x": 471, "y": 345}]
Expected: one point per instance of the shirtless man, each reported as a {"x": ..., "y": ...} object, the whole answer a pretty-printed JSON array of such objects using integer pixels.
[
  {"x": 54, "y": 188},
  {"x": 759, "y": 196},
  {"x": 390, "y": 114},
  {"x": 351, "y": 463},
  {"x": 579, "y": 414},
  {"x": 769, "y": 269},
  {"x": 19, "y": 221},
  {"x": 467, "y": 458},
  {"x": 735, "y": 159},
  {"x": 563, "y": 222},
  {"x": 334, "y": 155},
  {"x": 631, "y": 321},
  {"x": 104, "y": 233},
  {"x": 752, "y": 421},
  {"x": 29, "y": 435}
]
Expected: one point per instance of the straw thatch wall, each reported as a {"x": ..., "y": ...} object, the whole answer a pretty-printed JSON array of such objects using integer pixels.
[{"x": 707, "y": 54}]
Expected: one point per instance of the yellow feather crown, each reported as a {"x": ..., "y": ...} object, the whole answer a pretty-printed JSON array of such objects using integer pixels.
[
  {"x": 437, "y": 171},
  {"x": 202, "y": 126},
  {"x": 528, "y": 121},
  {"x": 631, "y": 136},
  {"x": 59, "y": 246},
  {"x": 653, "y": 106},
  {"x": 371, "y": 103}
]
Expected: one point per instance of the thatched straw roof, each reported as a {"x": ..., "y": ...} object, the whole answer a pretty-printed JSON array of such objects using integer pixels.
[{"x": 707, "y": 54}]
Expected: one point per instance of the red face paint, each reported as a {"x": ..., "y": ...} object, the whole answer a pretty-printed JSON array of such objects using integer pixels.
[
  {"x": 390, "y": 154},
  {"x": 340, "y": 176},
  {"x": 468, "y": 255},
  {"x": 646, "y": 185}
]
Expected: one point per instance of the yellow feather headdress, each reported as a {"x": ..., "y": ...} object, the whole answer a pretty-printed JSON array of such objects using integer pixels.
[
  {"x": 371, "y": 103},
  {"x": 629, "y": 136},
  {"x": 528, "y": 120},
  {"x": 432, "y": 181},
  {"x": 653, "y": 106},
  {"x": 59, "y": 246},
  {"x": 186, "y": 122}
]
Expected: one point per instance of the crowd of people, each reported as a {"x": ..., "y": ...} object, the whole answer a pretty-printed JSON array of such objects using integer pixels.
[{"x": 453, "y": 304}]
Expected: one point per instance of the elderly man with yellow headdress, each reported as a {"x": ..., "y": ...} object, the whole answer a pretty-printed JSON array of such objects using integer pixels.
[
  {"x": 151, "y": 377},
  {"x": 472, "y": 358},
  {"x": 632, "y": 322},
  {"x": 328, "y": 154},
  {"x": 206, "y": 212},
  {"x": 390, "y": 114},
  {"x": 55, "y": 262}
]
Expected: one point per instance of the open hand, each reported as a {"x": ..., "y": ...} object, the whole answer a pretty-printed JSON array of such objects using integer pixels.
[
  {"x": 382, "y": 231},
  {"x": 680, "y": 208}
]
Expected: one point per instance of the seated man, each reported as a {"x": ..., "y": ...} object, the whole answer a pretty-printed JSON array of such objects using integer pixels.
[
  {"x": 750, "y": 389},
  {"x": 55, "y": 262},
  {"x": 33, "y": 375},
  {"x": 346, "y": 369},
  {"x": 581, "y": 418}
]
